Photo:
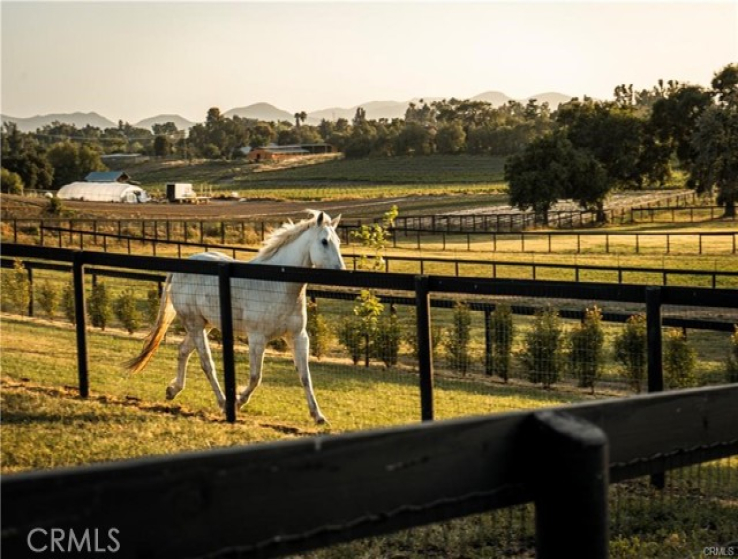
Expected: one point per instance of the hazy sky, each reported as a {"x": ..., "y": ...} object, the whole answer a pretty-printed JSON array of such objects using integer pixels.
[{"x": 132, "y": 60}]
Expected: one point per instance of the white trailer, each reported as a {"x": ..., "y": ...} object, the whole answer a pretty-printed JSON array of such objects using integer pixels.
[{"x": 180, "y": 192}]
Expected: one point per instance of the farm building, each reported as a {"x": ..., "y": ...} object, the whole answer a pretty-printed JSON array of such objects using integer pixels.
[
  {"x": 103, "y": 192},
  {"x": 107, "y": 176},
  {"x": 273, "y": 152}
]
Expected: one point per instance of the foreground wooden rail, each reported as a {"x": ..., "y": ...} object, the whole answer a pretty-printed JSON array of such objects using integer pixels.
[{"x": 290, "y": 497}]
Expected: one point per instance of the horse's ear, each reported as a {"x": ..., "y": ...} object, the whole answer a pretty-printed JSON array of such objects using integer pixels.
[
  {"x": 321, "y": 218},
  {"x": 335, "y": 222}
]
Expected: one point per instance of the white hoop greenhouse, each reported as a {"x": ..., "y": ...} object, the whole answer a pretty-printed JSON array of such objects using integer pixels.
[{"x": 103, "y": 192}]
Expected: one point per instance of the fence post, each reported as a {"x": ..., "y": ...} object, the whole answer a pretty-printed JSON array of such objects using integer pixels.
[
  {"x": 655, "y": 358},
  {"x": 80, "y": 320},
  {"x": 226, "y": 330},
  {"x": 29, "y": 271},
  {"x": 487, "y": 342},
  {"x": 425, "y": 352},
  {"x": 577, "y": 476}
]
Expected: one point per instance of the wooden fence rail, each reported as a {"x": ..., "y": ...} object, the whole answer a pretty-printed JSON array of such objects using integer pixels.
[
  {"x": 294, "y": 496},
  {"x": 523, "y": 310}
]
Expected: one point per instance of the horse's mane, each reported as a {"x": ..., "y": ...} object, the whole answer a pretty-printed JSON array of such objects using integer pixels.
[{"x": 285, "y": 234}]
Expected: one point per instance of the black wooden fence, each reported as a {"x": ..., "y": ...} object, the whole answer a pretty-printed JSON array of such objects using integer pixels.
[
  {"x": 419, "y": 287},
  {"x": 290, "y": 497}
]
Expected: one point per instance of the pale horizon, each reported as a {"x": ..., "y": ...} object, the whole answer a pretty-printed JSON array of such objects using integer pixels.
[{"x": 134, "y": 60}]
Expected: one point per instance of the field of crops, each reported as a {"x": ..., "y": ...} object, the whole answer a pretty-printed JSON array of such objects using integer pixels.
[{"x": 419, "y": 171}]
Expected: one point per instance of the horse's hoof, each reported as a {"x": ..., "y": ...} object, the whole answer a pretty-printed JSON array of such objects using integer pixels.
[
  {"x": 171, "y": 392},
  {"x": 322, "y": 421}
]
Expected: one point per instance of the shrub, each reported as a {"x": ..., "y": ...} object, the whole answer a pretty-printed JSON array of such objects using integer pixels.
[
  {"x": 542, "y": 354},
  {"x": 16, "y": 288},
  {"x": 55, "y": 206},
  {"x": 680, "y": 360},
  {"x": 350, "y": 335},
  {"x": 586, "y": 353},
  {"x": 437, "y": 336},
  {"x": 99, "y": 306},
  {"x": 152, "y": 305},
  {"x": 48, "y": 298},
  {"x": 387, "y": 337},
  {"x": 731, "y": 370},
  {"x": 126, "y": 311},
  {"x": 501, "y": 332},
  {"x": 458, "y": 338},
  {"x": 631, "y": 347},
  {"x": 68, "y": 302},
  {"x": 317, "y": 330}
]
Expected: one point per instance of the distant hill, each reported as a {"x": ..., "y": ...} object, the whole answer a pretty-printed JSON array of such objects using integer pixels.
[
  {"x": 261, "y": 111},
  {"x": 180, "y": 122},
  {"x": 267, "y": 112},
  {"x": 494, "y": 98},
  {"x": 80, "y": 120},
  {"x": 553, "y": 99}
]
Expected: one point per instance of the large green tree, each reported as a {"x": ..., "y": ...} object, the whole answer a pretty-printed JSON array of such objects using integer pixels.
[
  {"x": 715, "y": 141},
  {"x": 72, "y": 162},
  {"x": 23, "y": 155}
]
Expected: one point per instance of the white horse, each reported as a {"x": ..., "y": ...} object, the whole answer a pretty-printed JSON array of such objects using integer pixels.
[{"x": 264, "y": 310}]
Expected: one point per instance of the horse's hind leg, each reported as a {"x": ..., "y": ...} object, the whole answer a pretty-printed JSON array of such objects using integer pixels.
[
  {"x": 300, "y": 352},
  {"x": 183, "y": 356},
  {"x": 257, "y": 345},
  {"x": 200, "y": 339}
]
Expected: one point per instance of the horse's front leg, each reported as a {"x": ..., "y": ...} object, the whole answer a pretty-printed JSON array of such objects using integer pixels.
[
  {"x": 300, "y": 353},
  {"x": 257, "y": 345}
]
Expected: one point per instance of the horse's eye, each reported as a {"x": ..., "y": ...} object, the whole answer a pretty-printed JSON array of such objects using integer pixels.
[{"x": 325, "y": 242}]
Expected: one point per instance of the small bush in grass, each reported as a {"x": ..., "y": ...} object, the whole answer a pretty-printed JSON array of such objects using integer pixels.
[
  {"x": 437, "y": 336},
  {"x": 317, "y": 330},
  {"x": 350, "y": 335},
  {"x": 731, "y": 367},
  {"x": 586, "y": 351},
  {"x": 67, "y": 302},
  {"x": 631, "y": 350},
  {"x": 542, "y": 354},
  {"x": 99, "y": 306},
  {"x": 680, "y": 360},
  {"x": 458, "y": 338},
  {"x": 16, "y": 289},
  {"x": 386, "y": 343},
  {"x": 152, "y": 305},
  {"x": 48, "y": 298},
  {"x": 126, "y": 311},
  {"x": 502, "y": 332},
  {"x": 55, "y": 206}
]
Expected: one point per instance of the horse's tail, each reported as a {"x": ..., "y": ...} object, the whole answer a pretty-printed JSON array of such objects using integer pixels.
[{"x": 151, "y": 343}]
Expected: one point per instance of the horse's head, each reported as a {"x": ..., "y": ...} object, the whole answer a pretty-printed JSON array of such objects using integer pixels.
[{"x": 325, "y": 249}]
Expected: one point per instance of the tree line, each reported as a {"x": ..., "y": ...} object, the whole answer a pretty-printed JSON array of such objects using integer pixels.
[
  {"x": 632, "y": 141},
  {"x": 583, "y": 150}
]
